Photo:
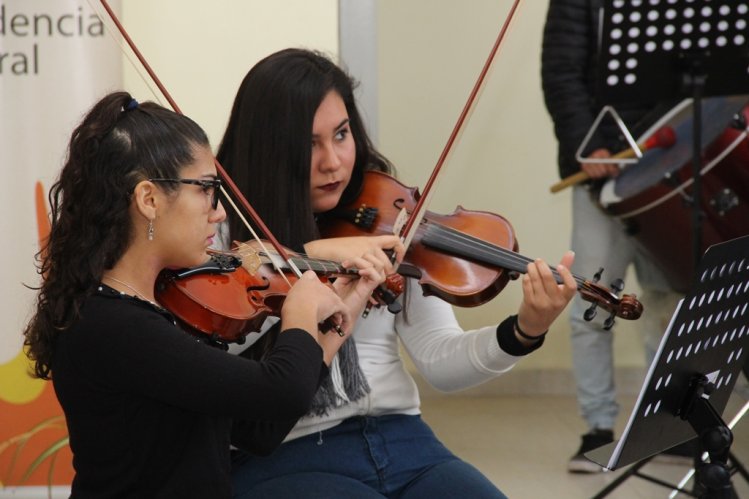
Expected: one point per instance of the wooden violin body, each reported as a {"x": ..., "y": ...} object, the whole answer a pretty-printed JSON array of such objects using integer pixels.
[
  {"x": 468, "y": 281},
  {"x": 234, "y": 292},
  {"x": 465, "y": 258}
]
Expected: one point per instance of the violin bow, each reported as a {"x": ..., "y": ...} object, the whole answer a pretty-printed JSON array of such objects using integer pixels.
[
  {"x": 418, "y": 212},
  {"x": 237, "y": 194}
]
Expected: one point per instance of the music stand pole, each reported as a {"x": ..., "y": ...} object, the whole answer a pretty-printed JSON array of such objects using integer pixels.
[
  {"x": 695, "y": 79},
  {"x": 715, "y": 437}
]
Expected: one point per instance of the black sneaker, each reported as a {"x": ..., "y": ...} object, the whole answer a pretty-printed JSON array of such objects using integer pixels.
[{"x": 591, "y": 440}]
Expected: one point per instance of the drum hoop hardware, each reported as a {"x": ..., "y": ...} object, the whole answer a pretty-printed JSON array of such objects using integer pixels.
[{"x": 680, "y": 189}]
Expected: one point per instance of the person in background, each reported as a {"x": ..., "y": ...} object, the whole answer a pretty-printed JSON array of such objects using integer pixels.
[
  {"x": 569, "y": 58},
  {"x": 295, "y": 123},
  {"x": 148, "y": 407}
]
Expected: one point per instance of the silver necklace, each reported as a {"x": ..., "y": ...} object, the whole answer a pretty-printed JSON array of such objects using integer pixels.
[{"x": 114, "y": 279}]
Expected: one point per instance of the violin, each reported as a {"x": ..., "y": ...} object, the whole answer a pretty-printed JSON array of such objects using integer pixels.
[
  {"x": 465, "y": 258},
  {"x": 233, "y": 293}
]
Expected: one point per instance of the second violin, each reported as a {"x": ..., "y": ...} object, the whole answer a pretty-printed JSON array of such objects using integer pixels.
[{"x": 465, "y": 258}]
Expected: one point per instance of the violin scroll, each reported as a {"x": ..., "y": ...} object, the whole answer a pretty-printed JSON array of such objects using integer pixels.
[{"x": 625, "y": 307}]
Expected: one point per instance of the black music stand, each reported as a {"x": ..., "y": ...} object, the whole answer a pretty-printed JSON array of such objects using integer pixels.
[
  {"x": 655, "y": 50},
  {"x": 691, "y": 378}
]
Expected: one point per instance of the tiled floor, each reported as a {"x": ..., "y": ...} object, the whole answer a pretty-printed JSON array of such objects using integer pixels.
[{"x": 523, "y": 443}]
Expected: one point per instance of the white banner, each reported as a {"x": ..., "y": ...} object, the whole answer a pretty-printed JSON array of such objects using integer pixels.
[{"x": 56, "y": 60}]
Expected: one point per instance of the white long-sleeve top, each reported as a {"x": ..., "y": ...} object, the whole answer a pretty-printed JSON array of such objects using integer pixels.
[{"x": 449, "y": 358}]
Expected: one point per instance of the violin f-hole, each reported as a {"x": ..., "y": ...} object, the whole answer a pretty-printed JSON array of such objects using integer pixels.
[{"x": 260, "y": 287}]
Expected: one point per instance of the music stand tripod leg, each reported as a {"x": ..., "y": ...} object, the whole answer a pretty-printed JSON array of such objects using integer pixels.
[
  {"x": 632, "y": 471},
  {"x": 734, "y": 462},
  {"x": 715, "y": 437},
  {"x": 735, "y": 465}
]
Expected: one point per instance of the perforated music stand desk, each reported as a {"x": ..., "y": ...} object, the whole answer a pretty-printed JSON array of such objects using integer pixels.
[
  {"x": 649, "y": 46},
  {"x": 708, "y": 335},
  {"x": 655, "y": 50}
]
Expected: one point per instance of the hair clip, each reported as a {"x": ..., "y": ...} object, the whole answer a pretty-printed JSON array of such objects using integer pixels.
[{"x": 131, "y": 105}]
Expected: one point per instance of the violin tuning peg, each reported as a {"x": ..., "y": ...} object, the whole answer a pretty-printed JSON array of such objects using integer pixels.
[
  {"x": 365, "y": 216},
  {"x": 597, "y": 275},
  {"x": 367, "y": 309},
  {"x": 384, "y": 295},
  {"x": 513, "y": 275},
  {"x": 590, "y": 312},
  {"x": 394, "y": 307},
  {"x": 609, "y": 322},
  {"x": 617, "y": 285}
]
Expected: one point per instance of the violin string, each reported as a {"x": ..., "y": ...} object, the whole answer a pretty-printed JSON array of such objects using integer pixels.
[
  {"x": 336, "y": 266},
  {"x": 255, "y": 236},
  {"x": 318, "y": 265},
  {"x": 472, "y": 243},
  {"x": 520, "y": 262},
  {"x": 419, "y": 211},
  {"x": 321, "y": 266},
  {"x": 324, "y": 266}
]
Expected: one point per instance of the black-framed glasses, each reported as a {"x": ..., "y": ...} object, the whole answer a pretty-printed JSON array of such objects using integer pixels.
[{"x": 211, "y": 187}]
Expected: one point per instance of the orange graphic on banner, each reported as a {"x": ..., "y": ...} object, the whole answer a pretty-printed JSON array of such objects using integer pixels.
[{"x": 34, "y": 447}]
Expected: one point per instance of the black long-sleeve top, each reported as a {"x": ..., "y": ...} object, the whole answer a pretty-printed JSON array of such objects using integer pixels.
[{"x": 149, "y": 408}]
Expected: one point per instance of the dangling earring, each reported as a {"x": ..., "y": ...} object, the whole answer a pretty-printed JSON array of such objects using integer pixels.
[{"x": 150, "y": 230}]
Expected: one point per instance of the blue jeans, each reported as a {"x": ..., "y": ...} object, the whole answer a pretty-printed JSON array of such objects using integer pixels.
[
  {"x": 393, "y": 456},
  {"x": 599, "y": 240}
]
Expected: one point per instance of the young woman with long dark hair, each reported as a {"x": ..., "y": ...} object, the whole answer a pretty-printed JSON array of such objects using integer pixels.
[
  {"x": 149, "y": 408},
  {"x": 295, "y": 124}
]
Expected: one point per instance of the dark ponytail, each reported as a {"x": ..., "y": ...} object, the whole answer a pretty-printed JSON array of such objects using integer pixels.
[{"x": 118, "y": 144}]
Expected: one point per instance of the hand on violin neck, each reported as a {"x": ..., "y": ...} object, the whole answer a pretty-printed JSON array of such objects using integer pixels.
[
  {"x": 331, "y": 341},
  {"x": 347, "y": 248},
  {"x": 544, "y": 299},
  {"x": 356, "y": 292},
  {"x": 309, "y": 303}
]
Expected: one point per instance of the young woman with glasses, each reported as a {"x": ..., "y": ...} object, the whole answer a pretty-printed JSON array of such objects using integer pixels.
[{"x": 149, "y": 407}]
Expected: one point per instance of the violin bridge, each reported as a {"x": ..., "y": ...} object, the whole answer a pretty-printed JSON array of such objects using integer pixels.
[
  {"x": 400, "y": 221},
  {"x": 251, "y": 260}
]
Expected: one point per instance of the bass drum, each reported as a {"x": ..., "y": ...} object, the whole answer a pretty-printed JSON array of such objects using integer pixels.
[{"x": 653, "y": 198}]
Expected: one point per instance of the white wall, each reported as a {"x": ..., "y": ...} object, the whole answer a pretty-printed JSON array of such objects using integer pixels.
[{"x": 201, "y": 51}]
